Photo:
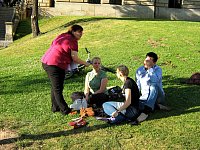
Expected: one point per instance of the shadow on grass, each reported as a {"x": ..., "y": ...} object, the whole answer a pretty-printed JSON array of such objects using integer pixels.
[
  {"x": 23, "y": 29},
  {"x": 24, "y": 84},
  {"x": 36, "y": 82},
  {"x": 53, "y": 135},
  {"x": 182, "y": 98},
  {"x": 93, "y": 19}
]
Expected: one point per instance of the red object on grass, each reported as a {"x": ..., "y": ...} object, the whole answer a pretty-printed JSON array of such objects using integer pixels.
[{"x": 78, "y": 123}]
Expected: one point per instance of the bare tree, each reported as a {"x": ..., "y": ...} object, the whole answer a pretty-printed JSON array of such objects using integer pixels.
[{"x": 34, "y": 19}]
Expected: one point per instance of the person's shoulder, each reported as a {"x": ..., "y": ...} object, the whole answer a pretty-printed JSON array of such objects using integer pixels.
[
  {"x": 157, "y": 67},
  {"x": 129, "y": 79},
  {"x": 62, "y": 35},
  {"x": 102, "y": 72},
  {"x": 90, "y": 72},
  {"x": 140, "y": 68},
  {"x": 129, "y": 83},
  {"x": 61, "y": 38},
  {"x": 67, "y": 36}
]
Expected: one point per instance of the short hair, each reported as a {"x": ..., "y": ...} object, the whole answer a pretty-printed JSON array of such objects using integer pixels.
[
  {"x": 123, "y": 69},
  {"x": 94, "y": 58},
  {"x": 153, "y": 55},
  {"x": 77, "y": 95},
  {"x": 74, "y": 28}
]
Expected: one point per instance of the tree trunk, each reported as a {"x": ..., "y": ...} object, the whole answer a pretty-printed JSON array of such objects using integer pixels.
[{"x": 34, "y": 19}]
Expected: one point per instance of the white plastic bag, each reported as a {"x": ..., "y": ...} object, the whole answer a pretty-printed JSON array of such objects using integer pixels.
[{"x": 78, "y": 104}]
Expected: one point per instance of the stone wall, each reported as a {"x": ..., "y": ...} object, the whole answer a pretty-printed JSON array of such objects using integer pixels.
[
  {"x": 191, "y": 4},
  {"x": 186, "y": 4},
  {"x": 139, "y": 2},
  {"x": 189, "y": 9},
  {"x": 41, "y": 3},
  {"x": 45, "y": 3},
  {"x": 178, "y": 14},
  {"x": 86, "y": 9}
]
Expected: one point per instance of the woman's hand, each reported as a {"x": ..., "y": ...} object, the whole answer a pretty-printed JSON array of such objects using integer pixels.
[
  {"x": 148, "y": 63},
  {"x": 115, "y": 114},
  {"x": 76, "y": 59},
  {"x": 86, "y": 97}
]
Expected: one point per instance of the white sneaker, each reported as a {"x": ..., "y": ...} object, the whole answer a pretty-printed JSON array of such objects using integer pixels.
[{"x": 142, "y": 117}]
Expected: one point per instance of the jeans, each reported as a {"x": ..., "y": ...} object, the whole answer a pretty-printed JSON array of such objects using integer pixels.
[
  {"x": 57, "y": 77},
  {"x": 155, "y": 96},
  {"x": 110, "y": 107},
  {"x": 132, "y": 113}
]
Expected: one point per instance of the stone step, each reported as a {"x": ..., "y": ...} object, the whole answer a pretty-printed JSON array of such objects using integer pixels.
[
  {"x": 6, "y": 15},
  {"x": 4, "y": 43}
]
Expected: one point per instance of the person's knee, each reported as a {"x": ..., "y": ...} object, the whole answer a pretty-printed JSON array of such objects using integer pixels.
[
  {"x": 146, "y": 105},
  {"x": 154, "y": 87},
  {"x": 104, "y": 105}
]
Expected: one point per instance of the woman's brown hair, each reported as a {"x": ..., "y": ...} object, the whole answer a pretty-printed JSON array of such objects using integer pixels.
[{"x": 74, "y": 28}]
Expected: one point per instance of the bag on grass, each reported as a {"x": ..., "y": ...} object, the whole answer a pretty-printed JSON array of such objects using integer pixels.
[
  {"x": 115, "y": 94},
  {"x": 194, "y": 79},
  {"x": 78, "y": 101}
]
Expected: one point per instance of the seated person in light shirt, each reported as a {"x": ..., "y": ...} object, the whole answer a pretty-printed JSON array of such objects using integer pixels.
[
  {"x": 95, "y": 84},
  {"x": 149, "y": 81}
]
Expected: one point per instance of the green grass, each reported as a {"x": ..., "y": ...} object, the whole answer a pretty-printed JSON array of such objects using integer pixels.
[{"x": 25, "y": 95}]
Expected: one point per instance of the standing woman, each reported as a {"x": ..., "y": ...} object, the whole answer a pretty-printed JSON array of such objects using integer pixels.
[{"x": 63, "y": 50}]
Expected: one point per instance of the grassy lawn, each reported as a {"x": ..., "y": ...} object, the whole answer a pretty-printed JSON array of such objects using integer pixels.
[{"x": 25, "y": 112}]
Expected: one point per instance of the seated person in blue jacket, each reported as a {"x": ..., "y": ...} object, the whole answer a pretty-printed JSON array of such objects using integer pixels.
[
  {"x": 95, "y": 84},
  {"x": 127, "y": 110},
  {"x": 149, "y": 81}
]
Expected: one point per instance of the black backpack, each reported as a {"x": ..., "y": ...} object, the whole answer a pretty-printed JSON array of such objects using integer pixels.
[{"x": 116, "y": 94}]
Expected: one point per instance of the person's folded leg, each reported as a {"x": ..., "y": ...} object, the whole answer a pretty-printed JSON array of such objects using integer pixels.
[
  {"x": 119, "y": 119},
  {"x": 110, "y": 107}
]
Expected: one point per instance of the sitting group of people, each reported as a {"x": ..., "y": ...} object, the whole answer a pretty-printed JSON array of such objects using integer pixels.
[{"x": 140, "y": 97}]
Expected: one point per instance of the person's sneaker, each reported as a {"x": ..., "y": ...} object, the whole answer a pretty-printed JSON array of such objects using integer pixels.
[
  {"x": 142, "y": 117},
  {"x": 163, "y": 107},
  {"x": 66, "y": 112},
  {"x": 56, "y": 110},
  {"x": 135, "y": 123},
  {"x": 108, "y": 120}
]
